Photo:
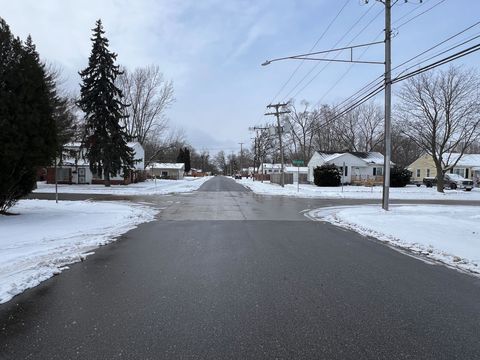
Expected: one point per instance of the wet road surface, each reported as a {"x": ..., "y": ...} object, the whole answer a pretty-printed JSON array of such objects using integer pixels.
[{"x": 224, "y": 273}]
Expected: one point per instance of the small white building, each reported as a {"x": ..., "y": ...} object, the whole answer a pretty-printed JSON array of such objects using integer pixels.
[
  {"x": 356, "y": 167},
  {"x": 267, "y": 168},
  {"x": 172, "y": 171}
]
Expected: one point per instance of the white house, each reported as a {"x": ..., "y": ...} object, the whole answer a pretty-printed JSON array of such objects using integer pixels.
[
  {"x": 74, "y": 168},
  {"x": 356, "y": 167},
  {"x": 267, "y": 168},
  {"x": 173, "y": 171}
]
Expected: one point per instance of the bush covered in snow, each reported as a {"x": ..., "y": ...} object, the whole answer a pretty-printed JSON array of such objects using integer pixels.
[{"x": 326, "y": 175}]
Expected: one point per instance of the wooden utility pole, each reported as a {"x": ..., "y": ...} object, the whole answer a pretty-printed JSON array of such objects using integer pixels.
[
  {"x": 241, "y": 158},
  {"x": 277, "y": 113},
  {"x": 388, "y": 105}
]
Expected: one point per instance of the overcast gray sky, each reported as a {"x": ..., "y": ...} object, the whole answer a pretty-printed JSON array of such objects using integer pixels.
[{"x": 212, "y": 49}]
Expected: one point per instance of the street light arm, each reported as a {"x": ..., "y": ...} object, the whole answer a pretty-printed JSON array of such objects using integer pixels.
[{"x": 303, "y": 56}]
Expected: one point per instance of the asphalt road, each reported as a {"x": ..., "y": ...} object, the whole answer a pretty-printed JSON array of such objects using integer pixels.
[{"x": 224, "y": 273}]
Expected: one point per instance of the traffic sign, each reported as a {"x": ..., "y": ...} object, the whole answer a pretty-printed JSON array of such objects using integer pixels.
[{"x": 297, "y": 162}]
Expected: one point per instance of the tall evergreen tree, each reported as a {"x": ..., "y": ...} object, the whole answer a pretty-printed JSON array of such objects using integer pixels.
[
  {"x": 105, "y": 139},
  {"x": 188, "y": 166},
  {"x": 181, "y": 156},
  {"x": 27, "y": 128}
]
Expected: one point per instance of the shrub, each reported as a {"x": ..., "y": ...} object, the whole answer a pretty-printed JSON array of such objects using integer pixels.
[
  {"x": 399, "y": 177},
  {"x": 326, "y": 175}
]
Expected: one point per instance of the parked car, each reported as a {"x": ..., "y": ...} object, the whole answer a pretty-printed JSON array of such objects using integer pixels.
[
  {"x": 451, "y": 181},
  {"x": 238, "y": 176}
]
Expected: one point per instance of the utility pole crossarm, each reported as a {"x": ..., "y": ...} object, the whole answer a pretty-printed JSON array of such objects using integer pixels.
[{"x": 278, "y": 113}]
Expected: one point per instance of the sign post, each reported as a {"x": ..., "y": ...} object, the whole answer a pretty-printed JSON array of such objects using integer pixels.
[{"x": 298, "y": 163}]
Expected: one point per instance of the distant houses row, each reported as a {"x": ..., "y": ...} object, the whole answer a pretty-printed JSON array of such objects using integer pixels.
[
  {"x": 355, "y": 167},
  {"x": 367, "y": 167}
]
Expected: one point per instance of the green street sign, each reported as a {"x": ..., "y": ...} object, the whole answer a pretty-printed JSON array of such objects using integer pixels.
[{"x": 297, "y": 162}]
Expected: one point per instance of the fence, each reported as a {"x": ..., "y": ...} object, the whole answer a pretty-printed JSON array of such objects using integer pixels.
[
  {"x": 367, "y": 180},
  {"x": 277, "y": 178}
]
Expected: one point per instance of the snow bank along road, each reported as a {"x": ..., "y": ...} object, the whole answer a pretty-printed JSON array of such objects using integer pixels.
[
  {"x": 45, "y": 236},
  {"x": 410, "y": 192},
  {"x": 446, "y": 233},
  {"x": 233, "y": 274}
]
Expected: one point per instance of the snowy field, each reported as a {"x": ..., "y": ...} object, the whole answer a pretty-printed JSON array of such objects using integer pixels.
[
  {"x": 409, "y": 192},
  {"x": 149, "y": 187},
  {"x": 446, "y": 233},
  {"x": 45, "y": 236}
]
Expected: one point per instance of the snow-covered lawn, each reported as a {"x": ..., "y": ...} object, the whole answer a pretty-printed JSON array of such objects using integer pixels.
[
  {"x": 446, "y": 233},
  {"x": 410, "y": 192},
  {"x": 149, "y": 187},
  {"x": 45, "y": 236}
]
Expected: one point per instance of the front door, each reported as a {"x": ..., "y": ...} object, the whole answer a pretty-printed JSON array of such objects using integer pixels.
[{"x": 81, "y": 175}]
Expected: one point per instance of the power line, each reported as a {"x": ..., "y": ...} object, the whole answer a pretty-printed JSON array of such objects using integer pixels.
[
  {"x": 440, "y": 62},
  {"x": 420, "y": 14},
  {"x": 439, "y": 44},
  {"x": 376, "y": 91},
  {"x": 408, "y": 13},
  {"x": 336, "y": 44},
  {"x": 374, "y": 82},
  {"x": 345, "y": 74},
  {"x": 352, "y": 65},
  {"x": 313, "y": 47}
]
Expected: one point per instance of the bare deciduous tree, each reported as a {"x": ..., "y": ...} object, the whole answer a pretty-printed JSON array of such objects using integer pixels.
[
  {"x": 404, "y": 150},
  {"x": 325, "y": 133},
  {"x": 440, "y": 112},
  {"x": 166, "y": 148},
  {"x": 362, "y": 128},
  {"x": 303, "y": 122},
  {"x": 148, "y": 95}
]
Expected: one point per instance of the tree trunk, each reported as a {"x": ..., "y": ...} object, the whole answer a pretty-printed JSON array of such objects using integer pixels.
[
  {"x": 440, "y": 182},
  {"x": 106, "y": 173}
]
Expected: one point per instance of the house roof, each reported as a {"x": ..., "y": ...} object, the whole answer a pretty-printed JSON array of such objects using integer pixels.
[
  {"x": 292, "y": 169},
  {"x": 467, "y": 160},
  {"x": 371, "y": 157},
  {"x": 171, "y": 166}
]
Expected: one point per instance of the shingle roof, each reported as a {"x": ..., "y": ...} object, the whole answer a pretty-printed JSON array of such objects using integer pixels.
[{"x": 371, "y": 157}]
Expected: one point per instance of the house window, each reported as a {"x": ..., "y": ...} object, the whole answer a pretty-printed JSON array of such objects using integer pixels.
[
  {"x": 460, "y": 172},
  {"x": 418, "y": 173},
  {"x": 377, "y": 171},
  {"x": 428, "y": 172}
]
